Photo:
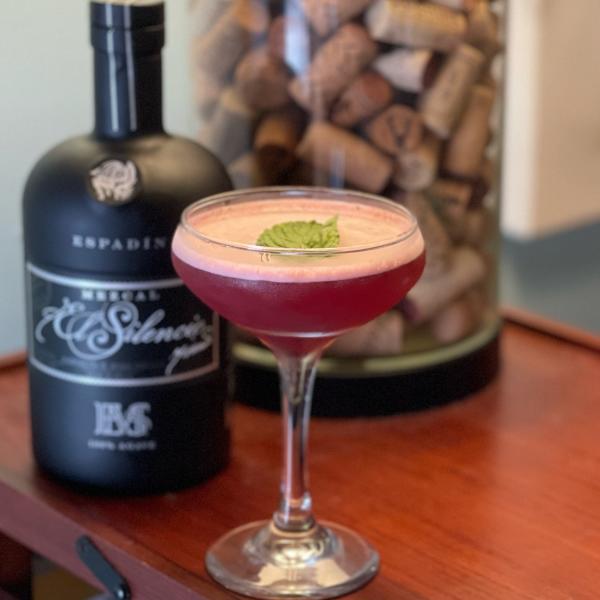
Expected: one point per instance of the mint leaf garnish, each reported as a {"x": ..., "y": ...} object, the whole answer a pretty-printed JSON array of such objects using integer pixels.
[{"x": 302, "y": 234}]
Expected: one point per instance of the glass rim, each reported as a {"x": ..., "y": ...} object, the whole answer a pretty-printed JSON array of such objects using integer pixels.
[{"x": 274, "y": 192}]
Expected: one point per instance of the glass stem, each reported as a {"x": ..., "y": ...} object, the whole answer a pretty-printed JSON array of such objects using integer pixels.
[{"x": 297, "y": 375}]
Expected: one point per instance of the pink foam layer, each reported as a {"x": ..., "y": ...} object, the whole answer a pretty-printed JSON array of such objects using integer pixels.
[{"x": 359, "y": 224}]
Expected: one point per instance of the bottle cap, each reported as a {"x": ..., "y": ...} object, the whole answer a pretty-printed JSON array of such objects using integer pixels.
[
  {"x": 128, "y": 25},
  {"x": 128, "y": 14}
]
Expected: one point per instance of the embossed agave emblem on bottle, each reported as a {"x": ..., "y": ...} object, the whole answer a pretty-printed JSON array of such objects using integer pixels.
[
  {"x": 114, "y": 180},
  {"x": 127, "y": 369}
]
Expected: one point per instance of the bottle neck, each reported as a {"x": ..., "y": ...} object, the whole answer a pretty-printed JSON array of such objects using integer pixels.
[{"x": 128, "y": 92}]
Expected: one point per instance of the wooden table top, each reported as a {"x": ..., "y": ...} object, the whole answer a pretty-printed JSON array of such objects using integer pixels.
[{"x": 495, "y": 497}]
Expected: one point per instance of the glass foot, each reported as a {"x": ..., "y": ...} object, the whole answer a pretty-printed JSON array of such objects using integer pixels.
[{"x": 261, "y": 561}]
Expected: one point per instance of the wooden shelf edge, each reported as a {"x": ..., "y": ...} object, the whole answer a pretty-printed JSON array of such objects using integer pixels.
[
  {"x": 151, "y": 575},
  {"x": 547, "y": 326},
  {"x": 16, "y": 359}
]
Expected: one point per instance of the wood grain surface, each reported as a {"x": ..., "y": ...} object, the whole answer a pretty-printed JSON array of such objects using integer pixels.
[{"x": 495, "y": 497}]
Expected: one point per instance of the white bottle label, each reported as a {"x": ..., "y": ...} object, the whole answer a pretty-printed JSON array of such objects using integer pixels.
[{"x": 119, "y": 333}]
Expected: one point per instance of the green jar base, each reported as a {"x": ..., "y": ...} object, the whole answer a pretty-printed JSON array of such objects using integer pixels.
[{"x": 378, "y": 386}]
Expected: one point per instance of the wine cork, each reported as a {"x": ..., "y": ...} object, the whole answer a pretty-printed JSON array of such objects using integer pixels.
[
  {"x": 430, "y": 295},
  {"x": 276, "y": 139},
  {"x": 482, "y": 30},
  {"x": 367, "y": 95},
  {"x": 454, "y": 196},
  {"x": 463, "y": 5},
  {"x": 457, "y": 320},
  {"x": 416, "y": 25},
  {"x": 280, "y": 129},
  {"x": 382, "y": 337},
  {"x": 304, "y": 173},
  {"x": 289, "y": 40},
  {"x": 396, "y": 129},
  {"x": 405, "y": 69},
  {"x": 450, "y": 199},
  {"x": 207, "y": 91},
  {"x": 479, "y": 297},
  {"x": 204, "y": 14},
  {"x": 485, "y": 182},
  {"x": 479, "y": 228},
  {"x": 228, "y": 132},
  {"x": 437, "y": 243},
  {"x": 261, "y": 80},
  {"x": 416, "y": 169},
  {"x": 465, "y": 150},
  {"x": 233, "y": 33},
  {"x": 327, "y": 15},
  {"x": 443, "y": 104},
  {"x": 334, "y": 150},
  {"x": 334, "y": 67},
  {"x": 246, "y": 172}
]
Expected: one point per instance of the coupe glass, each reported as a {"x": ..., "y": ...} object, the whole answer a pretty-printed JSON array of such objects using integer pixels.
[{"x": 297, "y": 301}]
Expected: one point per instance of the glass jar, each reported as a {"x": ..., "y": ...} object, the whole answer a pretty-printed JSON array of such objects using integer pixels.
[{"x": 395, "y": 97}]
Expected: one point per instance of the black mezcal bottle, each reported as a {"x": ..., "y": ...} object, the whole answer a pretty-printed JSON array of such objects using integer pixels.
[{"x": 127, "y": 369}]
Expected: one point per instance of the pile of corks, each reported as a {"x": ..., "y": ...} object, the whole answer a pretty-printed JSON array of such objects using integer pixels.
[{"x": 394, "y": 97}]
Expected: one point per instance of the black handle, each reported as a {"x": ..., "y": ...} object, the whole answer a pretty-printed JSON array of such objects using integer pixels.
[{"x": 93, "y": 559}]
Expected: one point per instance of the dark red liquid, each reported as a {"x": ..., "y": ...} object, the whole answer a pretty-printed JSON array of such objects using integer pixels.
[{"x": 301, "y": 316}]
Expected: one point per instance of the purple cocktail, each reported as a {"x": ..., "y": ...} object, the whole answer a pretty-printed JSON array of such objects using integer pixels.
[{"x": 297, "y": 300}]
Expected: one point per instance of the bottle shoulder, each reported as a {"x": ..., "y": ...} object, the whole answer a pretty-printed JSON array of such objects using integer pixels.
[
  {"x": 195, "y": 170},
  {"x": 70, "y": 148},
  {"x": 163, "y": 162},
  {"x": 87, "y": 198}
]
